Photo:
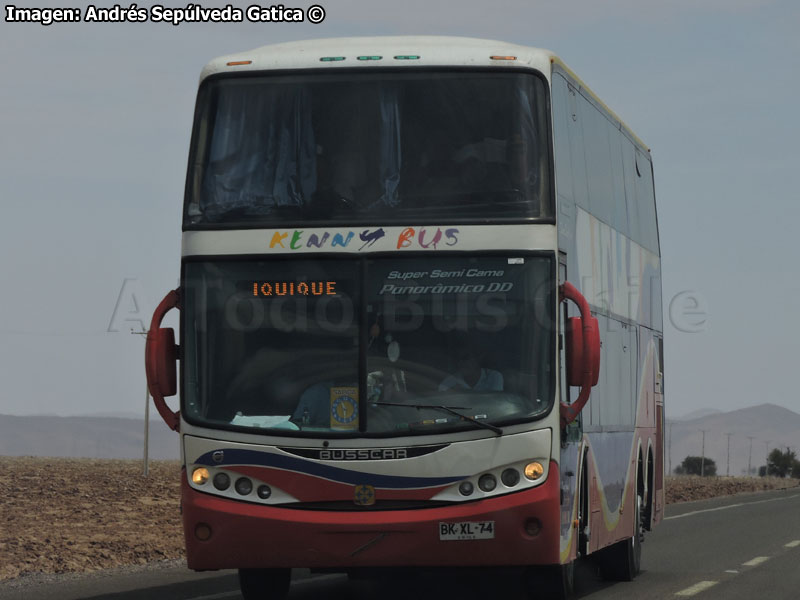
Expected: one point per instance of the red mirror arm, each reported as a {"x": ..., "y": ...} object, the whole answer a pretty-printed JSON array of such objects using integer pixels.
[
  {"x": 570, "y": 412},
  {"x": 171, "y": 418}
]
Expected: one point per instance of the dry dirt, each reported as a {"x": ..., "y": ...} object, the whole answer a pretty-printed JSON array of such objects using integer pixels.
[
  {"x": 61, "y": 515},
  {"x": 64, "y": 515},
  {"x": 694, "y": 487}
]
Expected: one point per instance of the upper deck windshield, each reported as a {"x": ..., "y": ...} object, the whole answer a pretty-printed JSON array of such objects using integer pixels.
[
  {"x": 369, "y": 147},
  {"x": 383, "y": 346}
]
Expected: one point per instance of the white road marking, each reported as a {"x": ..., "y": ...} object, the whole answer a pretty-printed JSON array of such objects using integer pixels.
[
  {"x": 756, "y": 561},
  {"x": 697, "y": 588},
  {"x": 705, "y": 510},
  {"x": 734, "y": 571},
  {"x": 793, "y": 544}
]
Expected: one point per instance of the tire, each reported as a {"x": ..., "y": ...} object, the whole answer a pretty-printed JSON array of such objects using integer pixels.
[
  {"x": 264, "y": 584},
  {"x": 553, "y": 581},
  {"x": 623, "y": 560}
]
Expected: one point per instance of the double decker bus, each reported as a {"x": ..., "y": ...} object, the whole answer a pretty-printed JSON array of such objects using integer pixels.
[{"x": 420, "y": 317}]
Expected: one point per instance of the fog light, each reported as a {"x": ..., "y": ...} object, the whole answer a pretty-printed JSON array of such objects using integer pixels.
[
  {"x": 466, "y": 488},
  {"x": 222, "y": 481},
  {"x": 202, "y": 532},
  {"x": 487, "y": 482},
  {"x": 510, "y": 477},
  {"x": 534, "y": 470},
  {"x": 243, "y": 486},
  {"x": 533, "y": 527},
  {"x": 264, "y": 492},
  {"x": 200, "y": 475}
]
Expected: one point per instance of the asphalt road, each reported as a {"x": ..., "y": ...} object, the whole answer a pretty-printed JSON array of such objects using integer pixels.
[{"x": 732, "y": 548}]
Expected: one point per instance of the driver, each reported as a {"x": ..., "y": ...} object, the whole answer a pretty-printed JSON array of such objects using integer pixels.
[
  {"x": 327, "y": 405},
  {"x": 313, "y": 410},
  {"x": 471, "y": 376}
]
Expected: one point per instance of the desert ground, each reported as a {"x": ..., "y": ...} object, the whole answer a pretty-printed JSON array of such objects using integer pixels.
[
  {"x": 67, "y": 515},
  {"x": 62, "y": 515}
]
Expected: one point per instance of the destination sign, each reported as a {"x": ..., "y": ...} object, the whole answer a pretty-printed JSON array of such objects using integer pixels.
[{"x": 294, "y": 288}]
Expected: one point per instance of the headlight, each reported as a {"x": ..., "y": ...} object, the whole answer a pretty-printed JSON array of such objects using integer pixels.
[
  {"x": 510, "y": 477},
  {"x": 222, "y": 481},
  {"x": 200, "y": 475},
  {"x": 534, "y": 470},
  {"x": 487, "y": 482},
  {"x": 243, "y": 486}
]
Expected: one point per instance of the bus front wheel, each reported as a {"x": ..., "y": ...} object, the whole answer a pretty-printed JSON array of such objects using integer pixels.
[
  {"x": 622, "y": 561},
  {"x": 552, "y": 581},
  {"x": 264, "y": 584}
]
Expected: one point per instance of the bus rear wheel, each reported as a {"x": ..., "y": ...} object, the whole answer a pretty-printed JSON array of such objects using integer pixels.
[{"x": 264, "y": 584}]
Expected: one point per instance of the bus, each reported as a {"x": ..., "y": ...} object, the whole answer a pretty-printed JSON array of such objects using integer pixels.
[{"x": 420, "y": 317}]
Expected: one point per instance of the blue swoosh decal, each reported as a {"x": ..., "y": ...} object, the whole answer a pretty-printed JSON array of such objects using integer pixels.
[{"x": 289, "y": 463}]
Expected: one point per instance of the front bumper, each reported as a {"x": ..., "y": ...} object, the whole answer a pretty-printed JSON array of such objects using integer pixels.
[{"x": 246, "y": 535}]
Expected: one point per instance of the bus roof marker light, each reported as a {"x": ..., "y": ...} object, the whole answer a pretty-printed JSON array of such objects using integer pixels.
[
  {"x": 370, "y": 57},
  {"x": 238, "y": 63},
  {"x": 498, "y": 57},
  {"x": 331, "y": 58},
  {"x": 407, "y": 57}
]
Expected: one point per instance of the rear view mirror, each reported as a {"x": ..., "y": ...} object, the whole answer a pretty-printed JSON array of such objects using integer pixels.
[
  {"x": 575, "y": 349},
  {"x": 582, "y": 352},
  {"x": 161, "y": 362}
]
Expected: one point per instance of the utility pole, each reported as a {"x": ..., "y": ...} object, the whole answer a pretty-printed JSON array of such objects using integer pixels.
[
  {"x": 703, "y": 459},
  {"x": 750, "y": 456},
  {"x": 766, "y": 459},
  {"x": 146, "y": 457},
  {"x": 728, "y": 467}
]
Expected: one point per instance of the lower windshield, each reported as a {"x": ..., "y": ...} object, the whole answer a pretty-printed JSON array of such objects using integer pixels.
[{"x": 383, "y": 346}]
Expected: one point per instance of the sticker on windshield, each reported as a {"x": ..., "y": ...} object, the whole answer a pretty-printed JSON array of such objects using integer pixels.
[
  {"x": 344, "y": 408},
  {"x": 516, "y": 261}
]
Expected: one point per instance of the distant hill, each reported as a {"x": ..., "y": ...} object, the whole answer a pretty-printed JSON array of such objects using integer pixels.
[
  {"x": 764, "y": 423},
  {"x": 697, "y": 414},
  {"x": 89, "y": 437}
]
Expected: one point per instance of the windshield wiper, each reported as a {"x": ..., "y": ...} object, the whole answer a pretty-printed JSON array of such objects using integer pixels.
[{"x": 447, "y": 409}]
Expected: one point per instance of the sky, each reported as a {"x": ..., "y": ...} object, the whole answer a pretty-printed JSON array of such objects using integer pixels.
[{"x": 95, "y": 120}]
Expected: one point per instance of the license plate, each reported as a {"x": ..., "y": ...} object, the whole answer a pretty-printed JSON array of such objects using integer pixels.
[{"x": 466, "y": 530}]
